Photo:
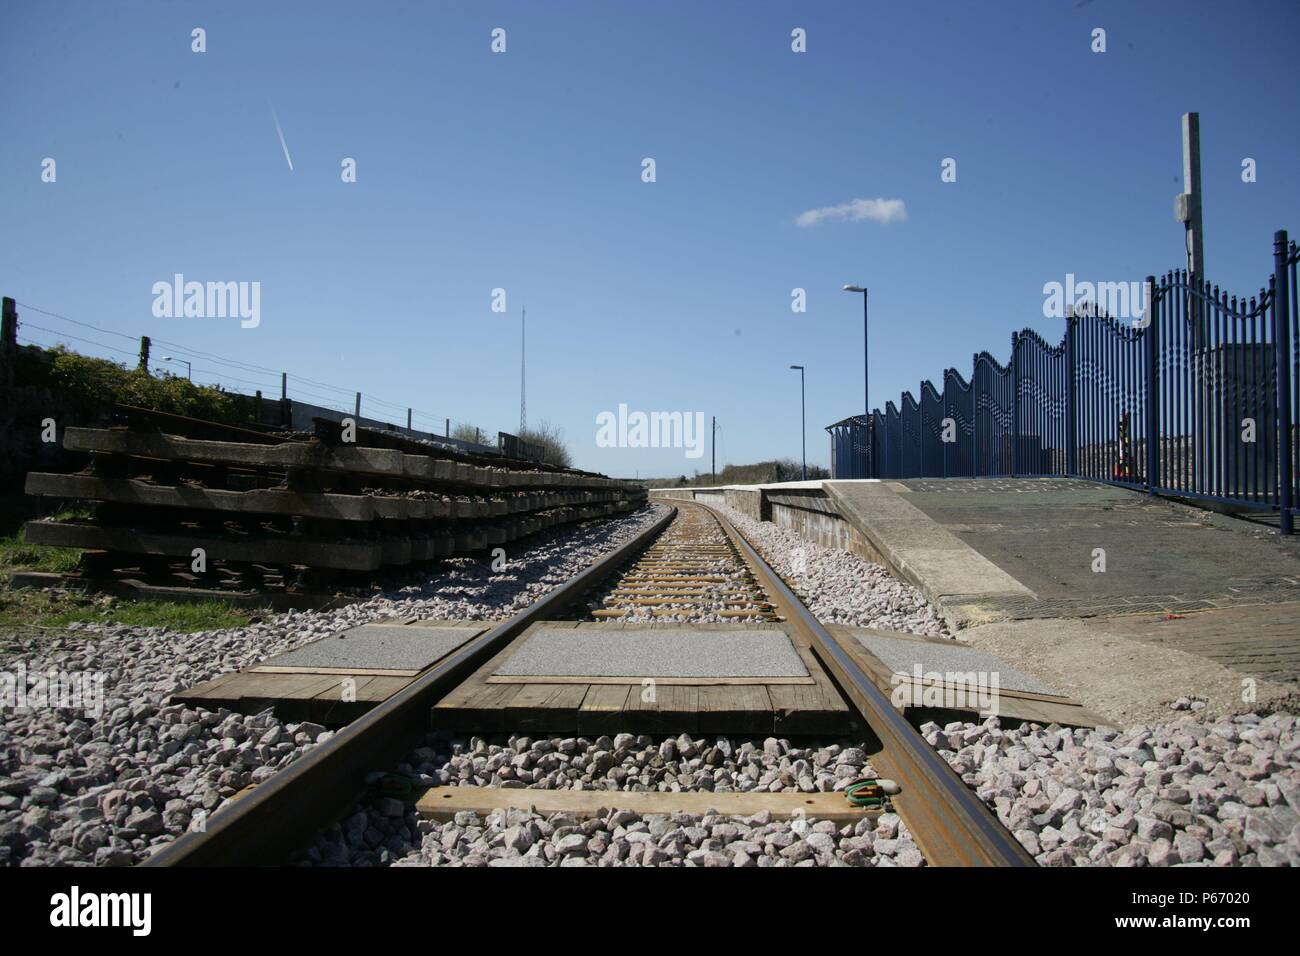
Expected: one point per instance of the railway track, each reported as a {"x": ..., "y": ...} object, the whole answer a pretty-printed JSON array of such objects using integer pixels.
[
  {"x": 692, "y": 573},
  {"x": 692, "y": 566}
]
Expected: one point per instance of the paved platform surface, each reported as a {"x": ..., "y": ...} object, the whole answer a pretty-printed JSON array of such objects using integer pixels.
[
  {"x": 903, "y": 657},
  {"x": 376, "y": 647},
  {"x": 660, "y": 653},
  {"x": 1189, "y": 584},
  {"x": 1025, "y": 548},
  {"x": 590, "y": 702},
  {"x": 888, "y": 658},
  {"x": 338, "y": 678}
]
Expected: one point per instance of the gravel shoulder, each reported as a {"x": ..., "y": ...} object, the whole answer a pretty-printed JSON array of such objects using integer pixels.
[
  {"x": 1191, "y": 791},
  {"x": 840, "y": 587}
]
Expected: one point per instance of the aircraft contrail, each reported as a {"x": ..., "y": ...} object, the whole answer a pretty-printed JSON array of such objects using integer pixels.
[{"x": 283, "y": 144}]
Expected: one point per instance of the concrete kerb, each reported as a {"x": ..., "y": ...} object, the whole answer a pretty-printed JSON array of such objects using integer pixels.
[{"x": 952, "y": 575}]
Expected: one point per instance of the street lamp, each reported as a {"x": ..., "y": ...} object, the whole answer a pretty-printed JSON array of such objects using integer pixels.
[
  {"x": 803, "y": 428},
  {"x": 189, "y": 368},
  {"x": 866, "y": 392}
]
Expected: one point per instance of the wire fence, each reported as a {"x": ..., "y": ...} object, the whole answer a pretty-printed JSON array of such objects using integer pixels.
[{"x": 164, "y": 357}]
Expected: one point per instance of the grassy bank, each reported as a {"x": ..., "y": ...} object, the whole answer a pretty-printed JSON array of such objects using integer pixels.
[
  {"x": 58, "y": 608},
  {"x": 15, "y": 553}
]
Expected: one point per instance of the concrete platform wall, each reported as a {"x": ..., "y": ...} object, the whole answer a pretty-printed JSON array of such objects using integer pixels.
[
  {"x": 748, "y": 501},
  {"x": 679, "y": 494},
  {"x": 824, "y": 528},
  {"x": 801, "y": 507}
]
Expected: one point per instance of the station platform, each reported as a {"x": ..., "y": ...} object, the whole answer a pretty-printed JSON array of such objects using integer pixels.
[{"x": 1117, "y": 598}]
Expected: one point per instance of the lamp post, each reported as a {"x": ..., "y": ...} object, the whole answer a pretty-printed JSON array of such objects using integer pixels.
[
  {"x": 866, "y": 391},
  {"x": 803, "y": 419},
  {"x": 189, "y": 368}
]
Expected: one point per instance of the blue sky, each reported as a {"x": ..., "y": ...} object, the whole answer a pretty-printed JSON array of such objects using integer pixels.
[{"x": 522, "y": 171}]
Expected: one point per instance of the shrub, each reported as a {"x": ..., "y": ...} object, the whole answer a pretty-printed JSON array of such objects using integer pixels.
[
  {"x": 554, "y": 452},
  {"x": 95, "y": 380}
]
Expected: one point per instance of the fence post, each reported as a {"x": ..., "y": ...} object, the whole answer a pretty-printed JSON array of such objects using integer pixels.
[
  {"x": 1282, "y": 360},
  {"x": 144, "y": 354},
  {"x": 974, "y": 415},
  {"x": 869, "y": 460},
  {"x": 1153, "y": 389},
  {"x": 1071, "y": 402},
  {"x": 1015, "y": 403},
  {"x": 8, "y": 341}
]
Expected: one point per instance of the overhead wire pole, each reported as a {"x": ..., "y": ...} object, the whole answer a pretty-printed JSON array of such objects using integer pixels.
[{"x": 8, "y": 340}]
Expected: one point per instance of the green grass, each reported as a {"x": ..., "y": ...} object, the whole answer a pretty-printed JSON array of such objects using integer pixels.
[
  {"x": 16, "y": 554},
  {"x": 58, "y": 609}
]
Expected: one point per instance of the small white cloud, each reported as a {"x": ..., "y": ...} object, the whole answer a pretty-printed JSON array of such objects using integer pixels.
[{"x": 881, "y": 210}]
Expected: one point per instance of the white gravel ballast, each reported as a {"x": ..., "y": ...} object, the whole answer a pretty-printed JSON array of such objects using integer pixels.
[
  {"x": 387, "y": 831},
  {"x": 110, "y": 787},
  {"x": 840, "y": 587},
  {"x": 1223, "y": 793}
]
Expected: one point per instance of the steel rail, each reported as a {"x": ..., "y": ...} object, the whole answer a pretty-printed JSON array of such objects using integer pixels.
[
  {"x": 280, "y": 816},
  {"x": 950, "y": 824}
]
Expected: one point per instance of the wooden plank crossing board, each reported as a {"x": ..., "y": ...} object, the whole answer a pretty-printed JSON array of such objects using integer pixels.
[
  {"x": 329, "y": 695},
  {"x": 1012, "y": 704},
  {"x": 568, "y": 704},
  {"x": 443, "y": 803}
]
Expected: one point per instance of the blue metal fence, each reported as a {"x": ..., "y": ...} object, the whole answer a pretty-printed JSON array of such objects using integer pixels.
[
  {"x": 957, "y": 429},
  {"x": 992, "y": 409},
  {"x": 850, "y": 457},
  {"x": 1198, "y": 397}
]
